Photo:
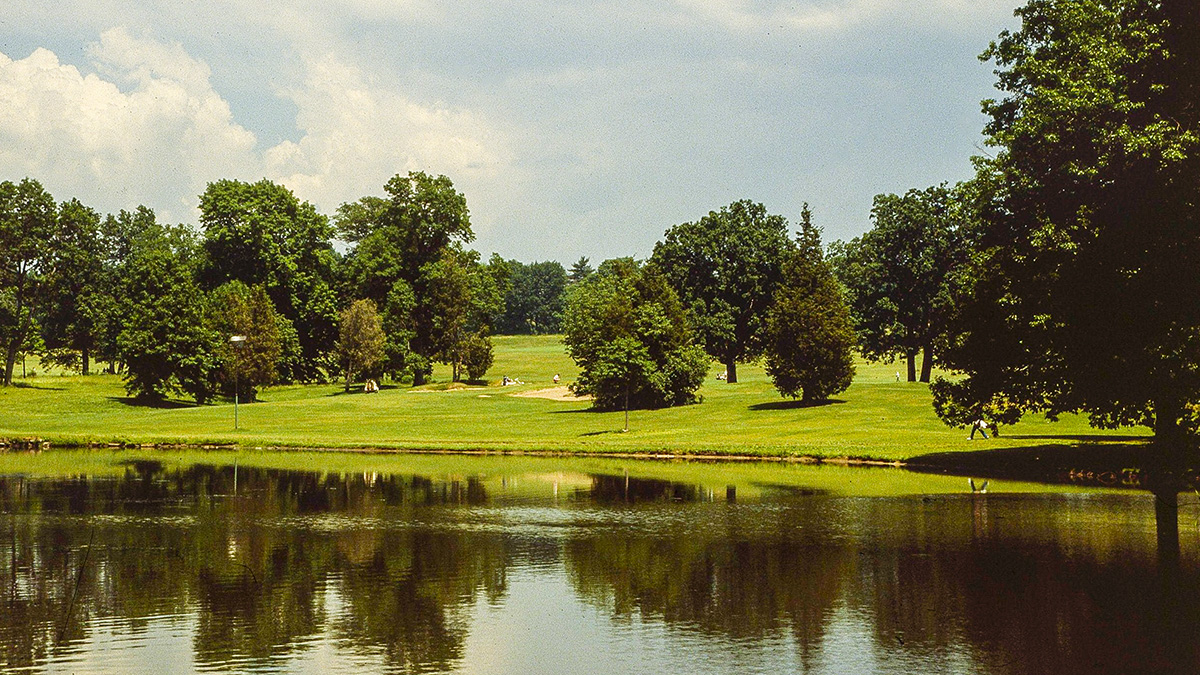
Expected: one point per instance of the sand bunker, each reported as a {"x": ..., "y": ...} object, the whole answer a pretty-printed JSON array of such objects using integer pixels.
[{"x": 554, "y": 394}]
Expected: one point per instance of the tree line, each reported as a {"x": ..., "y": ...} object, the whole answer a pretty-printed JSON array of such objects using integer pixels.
[
  {"x": 159, "y": 302},
  {"x": 163, "y": 303}
]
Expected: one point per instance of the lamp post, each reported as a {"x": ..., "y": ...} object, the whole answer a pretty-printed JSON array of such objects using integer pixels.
[{"x": 237, "y": 341}]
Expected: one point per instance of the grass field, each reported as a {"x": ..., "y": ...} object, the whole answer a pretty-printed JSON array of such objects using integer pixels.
[{"x": 877, "y": 418}]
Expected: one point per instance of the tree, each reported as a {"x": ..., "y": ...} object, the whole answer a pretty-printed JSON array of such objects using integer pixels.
[
  {"x": 1083, "y": 295},
  {"x": 580, "y": 270},
  {"x": 165, "y": 341},
  {"x": 448, "y": 283},
  {"x": 28, "y": 223},
  {"x": 75, "y": 288},
  {"x": 477, "y": 355},
  {"x": 110, "y": 298},
  {"x": 725, "y": 268},
  {"x": 810, "y": 340},
  {"x": 253, "y": 362},
  {"x": 628, "y": 332},
  {"x": 261, "y": 234},
  {"x": 397, "y": 242},
  {"x": 360, "y": 340},
  {"x": 900, "y": 274},
  {"x": 534, "y": 301}
]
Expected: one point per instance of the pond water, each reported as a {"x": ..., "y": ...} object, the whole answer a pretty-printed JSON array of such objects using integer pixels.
[{"x": 573, "y": 567}]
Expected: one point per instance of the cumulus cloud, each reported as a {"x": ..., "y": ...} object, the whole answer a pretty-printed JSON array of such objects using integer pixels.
[
  {"x": 356, "y": 135},
  {"x": 83, "y": 135},
  {"x": 148, "y": 127}
]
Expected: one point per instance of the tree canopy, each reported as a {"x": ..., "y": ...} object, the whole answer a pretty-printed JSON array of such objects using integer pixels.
[
  {"x": 901, "y": 274},
  {"x": 261, "y": 234},
  {"x": 401, "y": 260},
  {"x": 28, "y": 224},
  {"x": 628, "y": 332},
  {"x": 1083, "y": 294},
  {"x": 533, "y": 303},
  {"x": 725, "y": 268}
]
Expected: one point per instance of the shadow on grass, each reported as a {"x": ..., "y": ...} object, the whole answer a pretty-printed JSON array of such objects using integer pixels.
[
  {"x": 1078, "y": 438},
  {"x": 1127, "y": 465},
  {"x": 150, "y": 403},
  {"x": 27, "y": 385},
  {"x": 794, "y": 404},
  {"x": 601, "y": 433}
]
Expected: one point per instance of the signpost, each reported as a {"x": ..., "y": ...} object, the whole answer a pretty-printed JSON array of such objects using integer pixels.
[{"x": 237, "y": 341}]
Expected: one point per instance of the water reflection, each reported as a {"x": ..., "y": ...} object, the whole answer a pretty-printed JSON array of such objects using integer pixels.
[{"x": 296, "y": 571}]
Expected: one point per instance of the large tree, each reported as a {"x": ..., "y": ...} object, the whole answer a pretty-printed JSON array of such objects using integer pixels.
[
  {"x": 76, "y": 289},
  {"x": 901, "y": 274},
  {"x": 628, "y": 332},
  {"x": 28, "y": 225},
  {"x": 261, "y": 234},
  {"x": 399, "y": 243},
  {"x": 1085, "y": 295},
  {"x": 110, "y": 298},
  {"x": 166, "y": 341},
  {"x": 725, "y": 268}
]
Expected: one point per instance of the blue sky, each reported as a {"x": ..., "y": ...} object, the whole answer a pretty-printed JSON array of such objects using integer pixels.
[{"x": 573, "y": 128}]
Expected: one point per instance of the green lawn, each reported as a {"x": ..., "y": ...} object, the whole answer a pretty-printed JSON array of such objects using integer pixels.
[{"x": 877, "y": 417}]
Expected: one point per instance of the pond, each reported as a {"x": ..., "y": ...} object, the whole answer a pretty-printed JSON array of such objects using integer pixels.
[{"x": 144, "y": 563}]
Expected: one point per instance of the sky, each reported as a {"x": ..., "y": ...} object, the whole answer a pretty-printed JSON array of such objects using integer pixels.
[{"x": 573, "y": 127}]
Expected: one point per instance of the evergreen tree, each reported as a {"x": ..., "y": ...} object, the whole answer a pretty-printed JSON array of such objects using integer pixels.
[
  {"x": 581, "y": 270},
  {"x": 810, "y": 340}
]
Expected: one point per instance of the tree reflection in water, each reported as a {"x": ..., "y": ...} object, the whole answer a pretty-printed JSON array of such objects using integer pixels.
[{"x": 395, "y": 568}]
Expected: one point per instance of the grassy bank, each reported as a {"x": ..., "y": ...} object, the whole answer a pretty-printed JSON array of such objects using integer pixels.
[{"x": 877, "y": 417}]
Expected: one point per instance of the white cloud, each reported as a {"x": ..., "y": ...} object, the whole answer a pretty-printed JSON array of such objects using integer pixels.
[
  {"x": 83, "y": 136},
  {"x": 148, "y": 127},
  {"x": 357, "y": 134},
  {"x": 815, "y": 16}
]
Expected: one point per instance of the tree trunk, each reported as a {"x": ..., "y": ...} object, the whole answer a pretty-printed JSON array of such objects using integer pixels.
[
  {"x": 349, "y": 374},
  {"x": 1166, "y": 521},
  {"x": 418, "y": 376},
  {"x": 84, "y": 356},
  {"x": 927, "y": 363},
  {"x": 10, "y": 361},
  {"x": 911, "y": 357},
  {"x": 1168, "y": 433},
  {"x": 730, "y": 370}
]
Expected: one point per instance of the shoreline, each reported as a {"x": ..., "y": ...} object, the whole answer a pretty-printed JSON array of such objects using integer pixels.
[{"x": 1110, "y": 466}]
